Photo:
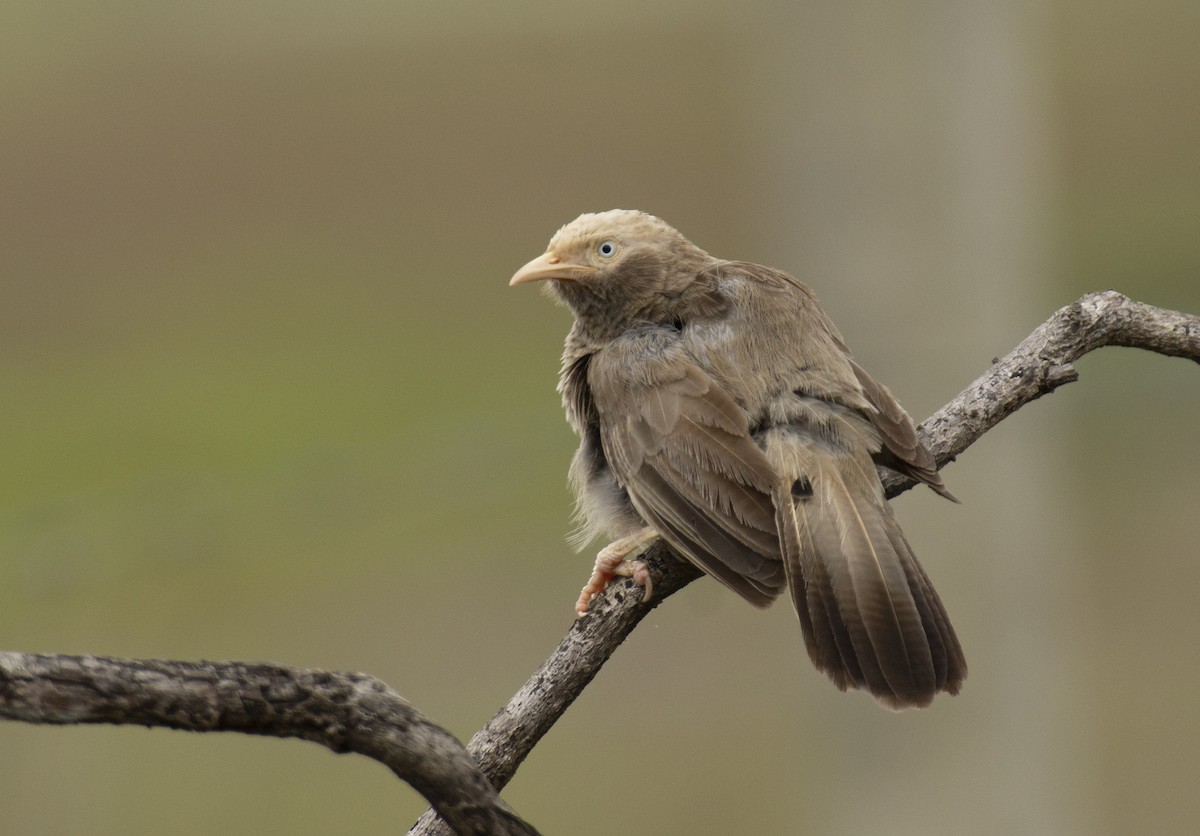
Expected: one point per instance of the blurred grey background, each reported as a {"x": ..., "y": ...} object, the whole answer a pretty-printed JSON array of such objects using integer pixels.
[{"x": 265, "y": 395}]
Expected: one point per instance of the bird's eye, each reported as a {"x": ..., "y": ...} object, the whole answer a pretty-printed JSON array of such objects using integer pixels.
[{"x": 607, "y": 249}]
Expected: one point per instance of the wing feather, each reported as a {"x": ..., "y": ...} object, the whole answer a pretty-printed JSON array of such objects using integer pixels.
[
  {"x": 681, "y": 448},
  {"x": 902, "y": 448}
]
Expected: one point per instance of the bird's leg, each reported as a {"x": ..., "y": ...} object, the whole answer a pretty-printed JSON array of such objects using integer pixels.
[{"x": 618, "y": 558}]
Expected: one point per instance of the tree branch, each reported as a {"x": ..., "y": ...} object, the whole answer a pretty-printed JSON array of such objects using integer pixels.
[
  {"x": 1044, "y": 361},
  {"x": 343, "y": 712},
  {"x": 357, "y": 713},
  {"x": 1039, "y": 365}
]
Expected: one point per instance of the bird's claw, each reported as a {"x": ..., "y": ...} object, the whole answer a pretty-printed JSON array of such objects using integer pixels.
[{"x": 618, "y": 559}]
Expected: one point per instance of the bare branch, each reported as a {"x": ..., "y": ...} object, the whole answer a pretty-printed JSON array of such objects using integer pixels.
[
  {"x": 1039, "y": 365},
  {"x": 357, "y": 713},
  {"x": 1044, "y": 361},
  {"x": 343, "y": 712}
]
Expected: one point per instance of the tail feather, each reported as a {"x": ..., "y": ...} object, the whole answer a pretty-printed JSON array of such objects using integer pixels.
[
  {"x": 830, "y": 583},
  {"x": 826, "y": 636},
  {"x": 949, "y": 661},
  {"x": 881, "y": 591},
  {"x": 870, "y": 616}
]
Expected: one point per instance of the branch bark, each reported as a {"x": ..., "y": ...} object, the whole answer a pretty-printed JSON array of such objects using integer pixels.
[
  {"x": 1044, "y": 361},
  {"x": 344, "y": 712},
  {"x": 357, "y": 713},
  {"x": 1040, "y": 364}
]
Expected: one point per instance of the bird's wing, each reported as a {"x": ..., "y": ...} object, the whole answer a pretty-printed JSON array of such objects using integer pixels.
[
  {"x": 814, "y": 361},
  {"x": 902, "y": 449},
  {"x": 680, "y": 447},
  {"x": 870, "y": 617}
]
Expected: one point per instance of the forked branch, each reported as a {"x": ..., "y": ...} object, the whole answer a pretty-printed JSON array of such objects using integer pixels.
[
  {"x": 1039, "y": 365},
  {"x": 356, "y": 713}
]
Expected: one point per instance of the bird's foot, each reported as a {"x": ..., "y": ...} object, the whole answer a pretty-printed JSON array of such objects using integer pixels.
[{"x": 618, "y": 559}]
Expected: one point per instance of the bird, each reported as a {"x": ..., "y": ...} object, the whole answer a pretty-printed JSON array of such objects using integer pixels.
[{"x": 719, "y": 409}]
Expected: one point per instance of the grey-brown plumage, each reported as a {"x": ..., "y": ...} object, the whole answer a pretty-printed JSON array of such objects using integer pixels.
[{"x": 718, "y": 405}]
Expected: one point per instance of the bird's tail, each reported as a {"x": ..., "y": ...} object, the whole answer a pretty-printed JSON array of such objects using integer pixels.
[{"x": 870, "y": 616}]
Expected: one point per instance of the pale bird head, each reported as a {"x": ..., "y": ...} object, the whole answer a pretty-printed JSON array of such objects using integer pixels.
[{"x": 615, "y": 266}]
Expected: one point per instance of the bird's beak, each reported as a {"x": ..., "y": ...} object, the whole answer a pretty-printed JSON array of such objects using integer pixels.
[{"x": 549, "y": 266}]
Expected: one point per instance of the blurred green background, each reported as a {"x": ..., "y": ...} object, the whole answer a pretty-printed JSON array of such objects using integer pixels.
[{"x": 264, "y": 393}]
